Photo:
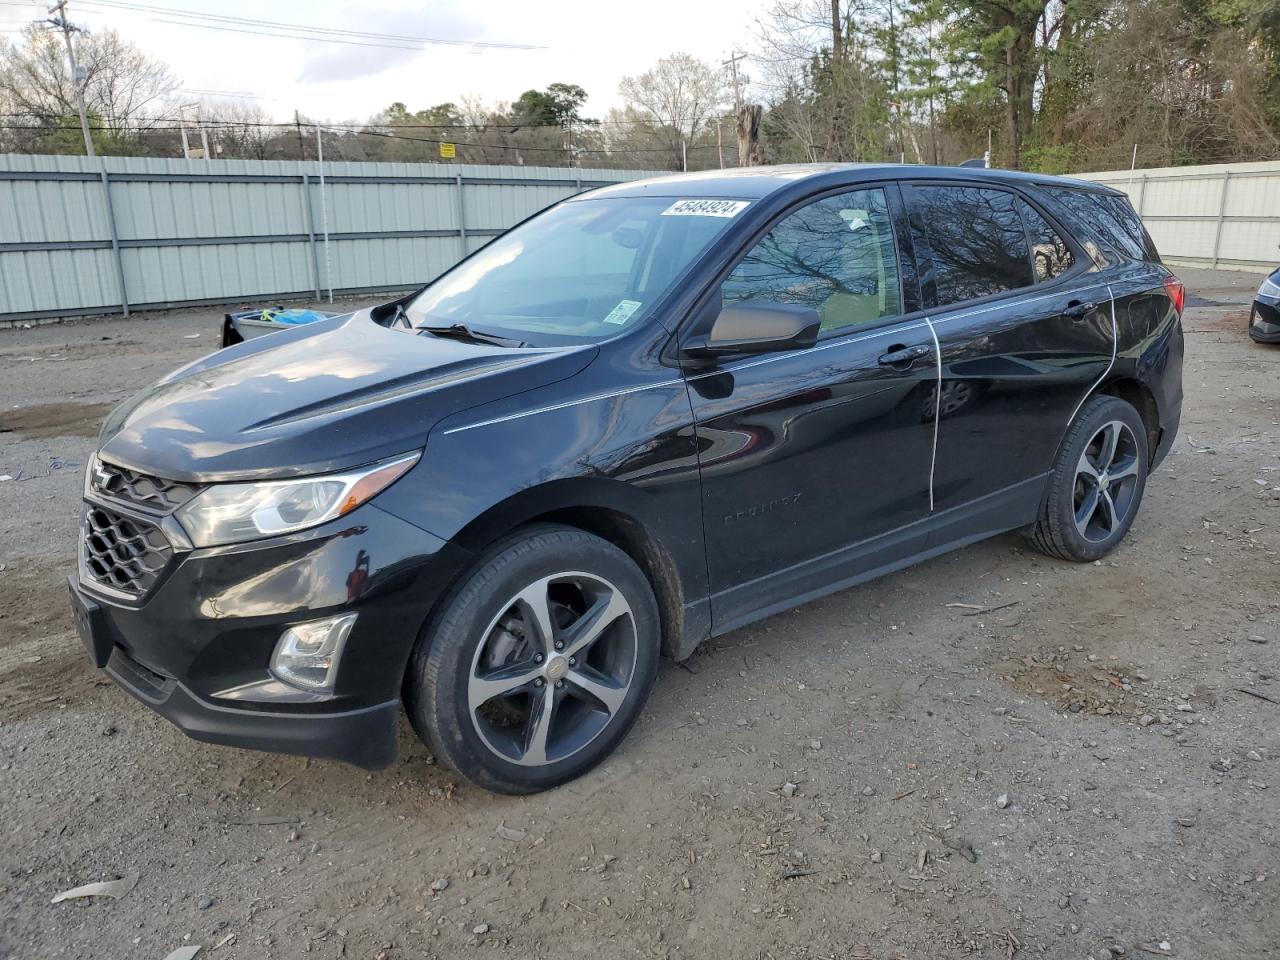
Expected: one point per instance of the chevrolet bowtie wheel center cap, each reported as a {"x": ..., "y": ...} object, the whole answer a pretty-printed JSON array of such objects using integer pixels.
[{"x": 557, "y": 667}]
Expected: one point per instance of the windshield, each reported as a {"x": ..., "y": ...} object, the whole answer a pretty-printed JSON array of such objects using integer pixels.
[{"x": 579, "y": 272}]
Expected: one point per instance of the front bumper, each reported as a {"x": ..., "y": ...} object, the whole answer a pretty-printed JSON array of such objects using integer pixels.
[
  {"x": 197, "y": 648},
  {"x": 1264, "y": 322},
  {"x": 364, "y": 737}
]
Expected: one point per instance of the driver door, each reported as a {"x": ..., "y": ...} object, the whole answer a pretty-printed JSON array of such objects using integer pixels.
[{"x": 815, "y": 462}]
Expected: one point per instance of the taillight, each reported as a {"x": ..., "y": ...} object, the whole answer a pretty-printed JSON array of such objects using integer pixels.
[{"x": 1177, "y": 292}]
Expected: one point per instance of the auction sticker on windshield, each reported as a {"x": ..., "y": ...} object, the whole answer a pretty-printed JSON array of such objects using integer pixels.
[
  {"x": 622, "y": 312},
  {"x": 706, "y": 208}
]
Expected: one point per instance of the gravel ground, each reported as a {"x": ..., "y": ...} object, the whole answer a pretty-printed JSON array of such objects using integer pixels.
[{"x": 1085, "y": 761}]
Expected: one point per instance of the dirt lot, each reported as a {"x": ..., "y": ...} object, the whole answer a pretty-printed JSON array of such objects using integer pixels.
[{"x": 1088, "y": 757}]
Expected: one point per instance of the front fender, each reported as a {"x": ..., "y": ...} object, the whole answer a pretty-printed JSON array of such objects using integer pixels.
[{"x": 629, "y": 448}]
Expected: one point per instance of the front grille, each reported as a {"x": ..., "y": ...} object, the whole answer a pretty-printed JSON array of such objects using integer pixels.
[
  {"x": 154, "y": 493},
  {"x": 123, "y": 553}
]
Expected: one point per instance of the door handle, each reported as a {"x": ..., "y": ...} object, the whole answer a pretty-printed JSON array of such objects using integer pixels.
[
  {"x": 1077, "y": 310},
  {"x": 900, "y": 358}
]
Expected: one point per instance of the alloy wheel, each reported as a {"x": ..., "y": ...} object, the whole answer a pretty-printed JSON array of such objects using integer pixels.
[
  {"x": 1106, "y": 482},
  {"x": 553, "y": 668}
]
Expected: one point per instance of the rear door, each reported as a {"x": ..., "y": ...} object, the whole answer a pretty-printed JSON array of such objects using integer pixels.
[
  {"x": 1024, "y": 329},
  {"x": 815, "y": 463}
]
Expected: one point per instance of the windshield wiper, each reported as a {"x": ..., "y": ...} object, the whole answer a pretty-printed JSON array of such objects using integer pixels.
[{"x": 460, "y": 331}]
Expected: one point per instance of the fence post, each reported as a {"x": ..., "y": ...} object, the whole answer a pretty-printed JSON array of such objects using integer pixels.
[
  {"x": 1142, "y": 193},
  {"x": 311, "y": 233},
  {"x": 1222, "y": 210},
  {"x": 115, "y": 240},
  {"x": 462, "y": 217},
  {"x": 324, "y": 214}
]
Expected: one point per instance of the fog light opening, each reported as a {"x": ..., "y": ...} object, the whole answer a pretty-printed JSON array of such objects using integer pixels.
[{"x": 307, "y": 654}]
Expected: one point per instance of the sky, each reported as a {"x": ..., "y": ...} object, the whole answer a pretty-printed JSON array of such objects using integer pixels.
[{"x": 593, "y": 44}]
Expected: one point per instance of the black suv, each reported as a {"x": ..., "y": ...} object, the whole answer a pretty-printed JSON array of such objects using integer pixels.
[{"x": 648, "y": 415}]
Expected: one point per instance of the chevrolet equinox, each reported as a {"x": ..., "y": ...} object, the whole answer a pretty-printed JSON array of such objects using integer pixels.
[{"x": 646, "y": 416}]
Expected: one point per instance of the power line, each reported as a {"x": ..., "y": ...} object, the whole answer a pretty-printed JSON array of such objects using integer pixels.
[
  {"x": 296, "y": 31},
  {"x": 500, "y": 146},
  {"x": 417, "y": 45},
  {"x": 230, "y": 94},
  {"x": 496, "y": 126},
  {"x": 175, "y": 127},
  {"x": 342, "y": 31}
]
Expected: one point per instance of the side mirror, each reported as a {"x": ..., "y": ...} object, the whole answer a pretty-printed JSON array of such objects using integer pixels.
[{"x": 757, "y": 327}]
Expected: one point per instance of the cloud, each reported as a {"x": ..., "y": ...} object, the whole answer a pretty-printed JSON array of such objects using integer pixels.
[{"x": 336, "y": 63}]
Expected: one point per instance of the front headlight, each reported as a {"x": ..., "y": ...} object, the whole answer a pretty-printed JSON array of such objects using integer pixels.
[{"x": 235, "y": 512}]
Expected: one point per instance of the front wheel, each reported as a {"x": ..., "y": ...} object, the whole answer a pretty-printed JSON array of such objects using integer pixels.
[
  {"x": 1096, "y": 485},
  {"x": 538, "y": 663}
]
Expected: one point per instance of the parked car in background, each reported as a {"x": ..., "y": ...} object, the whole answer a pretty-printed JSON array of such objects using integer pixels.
[
  {"x": 1264, "y": 316},
  {"x": 648, "y": 415}
]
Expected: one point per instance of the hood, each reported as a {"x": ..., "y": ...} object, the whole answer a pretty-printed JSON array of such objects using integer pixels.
[{"x": 321, "y": 397}]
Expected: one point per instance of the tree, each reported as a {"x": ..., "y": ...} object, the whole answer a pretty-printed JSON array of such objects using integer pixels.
[
  {"x": 398, "y": 115},
  {"x": 557, "y": 106},
  {"x": 998, "y": 40},
  {"x": 829, "y": 93},
  {"x": 238, "y": 130},
  {"x": 675, "y": 100},
  {"x": 123, "y": 88}
]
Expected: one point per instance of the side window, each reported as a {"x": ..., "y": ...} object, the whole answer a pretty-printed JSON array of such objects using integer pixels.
[
  {"x": 1049, "y": 253},
  {"x": 1111, "y": 219},
  {"x": 836, "y": 255},
  {"x": 1135, "y": 239},
  {"x": 979, "y": 246}
]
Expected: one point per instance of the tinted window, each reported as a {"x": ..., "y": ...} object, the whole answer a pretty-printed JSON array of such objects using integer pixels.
[
  {"x": 1111, "y": 219},
  {"x": 979, "y": 245},
  {"x": 836, "y": 255},
  {"x": 1049, "y": 253}
]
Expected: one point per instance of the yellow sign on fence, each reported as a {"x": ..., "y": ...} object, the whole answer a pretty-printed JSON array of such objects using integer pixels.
[{"x": 448, "y": 151}]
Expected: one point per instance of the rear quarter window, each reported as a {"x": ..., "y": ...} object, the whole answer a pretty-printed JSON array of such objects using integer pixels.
[{"x": 1110, "y": 219}]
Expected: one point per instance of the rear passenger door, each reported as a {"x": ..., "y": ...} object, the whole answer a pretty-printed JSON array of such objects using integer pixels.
[{"x": 1024, "y": 329}]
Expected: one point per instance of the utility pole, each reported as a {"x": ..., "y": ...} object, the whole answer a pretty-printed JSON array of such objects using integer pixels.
[
  {"x": 60, "y": 21},
  {"x": 297, "y": 123},
  {"x": 204, "y": 134},
  {"x": 743, "y": 151},
  {"x": 182, "y": 128},
  {"x": 324, "y": 213},
  {"x": 732, "y": 64}
]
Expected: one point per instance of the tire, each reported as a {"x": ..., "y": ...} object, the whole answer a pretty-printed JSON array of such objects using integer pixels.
[
  {"x": 483, "y": 673},
  {"x": 1060, "y": 530}
]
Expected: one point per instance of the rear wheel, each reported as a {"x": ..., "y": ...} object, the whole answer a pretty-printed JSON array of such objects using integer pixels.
[
  {"x": 1097, "y": 483},
  {"x": 538, "y": 663}
]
